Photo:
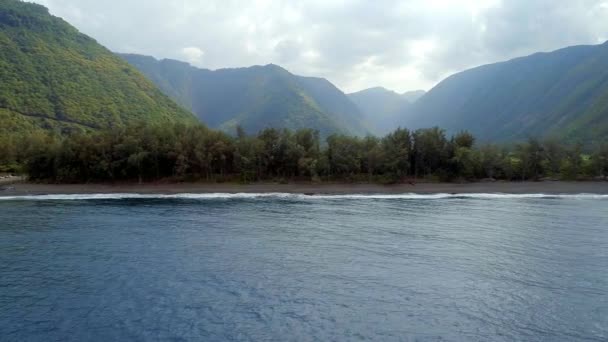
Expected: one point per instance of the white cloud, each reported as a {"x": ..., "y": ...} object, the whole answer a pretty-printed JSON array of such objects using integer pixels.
[
  {"x": 193, "y": 55},
  {"x": 398, "y": 44}
]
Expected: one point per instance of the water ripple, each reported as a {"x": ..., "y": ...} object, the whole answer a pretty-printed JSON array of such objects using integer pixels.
[{"x": 283, "y": 267}]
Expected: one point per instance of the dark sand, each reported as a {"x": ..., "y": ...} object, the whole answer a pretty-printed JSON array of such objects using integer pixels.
[
  {"x": 5, "y": 180},
  {"x": 24, "y": 188}
]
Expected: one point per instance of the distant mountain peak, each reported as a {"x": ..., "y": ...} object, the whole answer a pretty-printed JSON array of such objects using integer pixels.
[
  {"x": 379, "y": 89},
  {"x": 256, "y": 97},
  {"x": 374, "y": 90},
  {"x": 274, "y": 66},
  {"x": 381, "y": 108},
  {"x": 414, "y": 95},
  {"x": 410, "y": 96}
]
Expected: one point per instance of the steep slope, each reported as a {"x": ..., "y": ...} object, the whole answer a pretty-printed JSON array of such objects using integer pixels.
[
  {"x": 254, "y": 98},
  {"x": 381, "y": 108},
  {"x": 562, "y": 93},
  {"x": 53, "y": 77}
]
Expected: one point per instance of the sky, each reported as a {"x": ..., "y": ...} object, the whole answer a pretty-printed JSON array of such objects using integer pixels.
[{"x": 356, "y": 44}]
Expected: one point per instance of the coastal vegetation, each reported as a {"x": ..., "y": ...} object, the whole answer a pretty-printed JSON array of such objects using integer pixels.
[{"x": 180, "y": 152}]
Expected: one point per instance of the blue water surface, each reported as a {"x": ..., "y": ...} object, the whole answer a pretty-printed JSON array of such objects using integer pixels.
[{"x": 298, "y": 268}]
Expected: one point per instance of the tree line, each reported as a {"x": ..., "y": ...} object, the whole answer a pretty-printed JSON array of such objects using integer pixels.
[{"x": 192, "y": 153}]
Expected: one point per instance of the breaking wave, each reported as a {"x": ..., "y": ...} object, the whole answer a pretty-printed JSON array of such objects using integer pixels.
[{"x": 212, "y": 196}]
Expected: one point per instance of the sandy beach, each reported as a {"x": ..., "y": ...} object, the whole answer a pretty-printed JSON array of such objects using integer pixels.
[
  {"x": 17, "y": 187},
  {"x": 5, "y": 180}
]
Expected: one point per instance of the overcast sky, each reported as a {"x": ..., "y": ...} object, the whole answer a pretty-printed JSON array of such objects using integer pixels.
[{"x": 356, "y": 44}]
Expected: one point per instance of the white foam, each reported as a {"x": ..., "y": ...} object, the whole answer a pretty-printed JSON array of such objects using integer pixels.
[{"x": 211, "y": 196}]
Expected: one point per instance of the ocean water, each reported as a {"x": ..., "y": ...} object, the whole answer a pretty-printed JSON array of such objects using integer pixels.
[{"x": 279, "y": 267}]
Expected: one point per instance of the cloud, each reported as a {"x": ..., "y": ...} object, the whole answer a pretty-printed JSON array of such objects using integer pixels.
[
  {"x": 193, "y": 55},
  {"x": 287, "y": 50},
  {"x": 401, "y": 45}
]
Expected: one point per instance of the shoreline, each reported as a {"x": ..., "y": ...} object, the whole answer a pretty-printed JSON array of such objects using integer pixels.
[{"x": 20, "y": 188}]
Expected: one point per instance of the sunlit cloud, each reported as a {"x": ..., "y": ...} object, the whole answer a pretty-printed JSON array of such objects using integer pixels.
[{"x": 193, "y": 55}]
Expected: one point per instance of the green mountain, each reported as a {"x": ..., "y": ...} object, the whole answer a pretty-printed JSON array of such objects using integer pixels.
[
  {"x": 562, "y": 94},
  {"x": 53, "y": 77},
  {"x": 381, "y": 108},
  {"x": 254, "y": 98}
]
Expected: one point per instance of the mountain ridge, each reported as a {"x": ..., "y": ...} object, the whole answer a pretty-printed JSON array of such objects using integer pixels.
[
  {"x": 563, "y": 93},
  {"x": 254, "y": 97},
  {"x": 383, "y": 108},
  {"x": 54, "y": 77}
]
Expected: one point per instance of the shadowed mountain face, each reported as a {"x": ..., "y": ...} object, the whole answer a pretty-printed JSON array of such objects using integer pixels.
[
  {"x": 53, "y": 77},
  {"x": 383, "y": 109},
  {"x": 254, "y": 98},
  {"x": 563, "y": 94}
]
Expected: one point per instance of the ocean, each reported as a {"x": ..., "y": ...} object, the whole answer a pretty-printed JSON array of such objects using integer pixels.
[{"x": 280, "y": 267}]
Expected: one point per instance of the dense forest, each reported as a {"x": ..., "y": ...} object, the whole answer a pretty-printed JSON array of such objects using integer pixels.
[
  {"x": 53, "y": 77},
  {"x": 193, "y": 152}
]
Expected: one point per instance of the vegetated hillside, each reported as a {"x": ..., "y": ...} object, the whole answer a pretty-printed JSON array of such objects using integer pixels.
[
  {"x": 560, "y": 94},
  {"x": 254, "y": 98},
  {"x": 382, "y": 108},
  {"x": 53, "y": 77}
]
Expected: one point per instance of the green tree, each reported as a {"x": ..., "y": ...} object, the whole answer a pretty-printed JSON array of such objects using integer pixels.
[
  {"x": 464, "y": 139},
  {"x": 572, "y": 163},
  {"x": 344, "y": 156},
  {"x": 530, "y": 155},
  {"x": 397, "y": 148},
  {"x": 430, "y": 151},
  {"x": 599, "y": 161},
  {"x": 373, "y": 156}
]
